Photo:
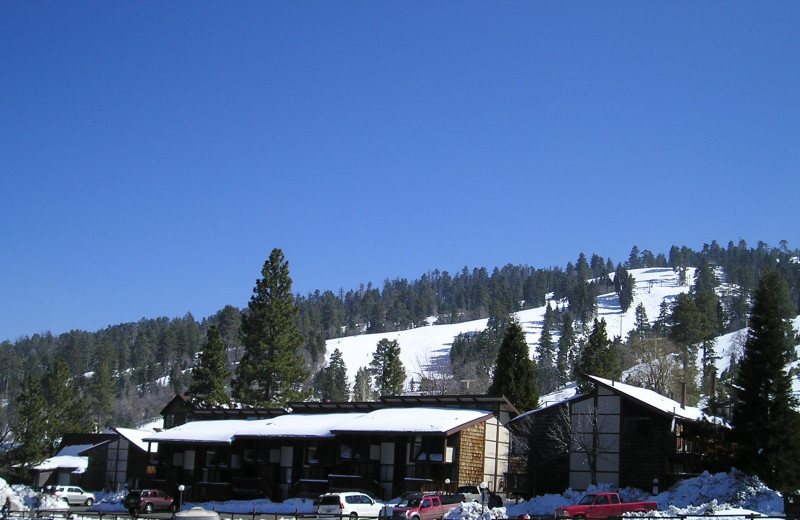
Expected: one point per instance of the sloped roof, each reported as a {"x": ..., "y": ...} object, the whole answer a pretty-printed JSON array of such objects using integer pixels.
[
  {"x": 221, "y": 431},
  {"x": 66, "y": 458},
  {"x": 656, "y": 401},
  {"x": 649, "y": 398},
  {"x": 414, "y": 420},
  {"x": 226, "y": 430},
  {"x": 136, "y": 437},
  {"x": 387, "y": 420},
  {"x": 306, "y": 425}
]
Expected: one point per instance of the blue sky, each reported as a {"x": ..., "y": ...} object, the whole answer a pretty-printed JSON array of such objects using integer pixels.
[{"x": 154, "y": 153}]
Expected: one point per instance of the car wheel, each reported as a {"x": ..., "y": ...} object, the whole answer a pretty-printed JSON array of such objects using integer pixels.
[
  {"x": 148, "y": 508},
  {"x": 89, "y": 502},
  {"x": 353, "y": 516}
]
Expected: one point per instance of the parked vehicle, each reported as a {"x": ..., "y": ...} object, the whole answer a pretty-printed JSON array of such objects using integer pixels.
[
  {"x": 471, "y": 493},
  {"x": 603, "y": 505},
  {"x": 72, "y": 495},
  {"x": 148, "y": 500},
  {"x": 424, "y": 507},
  {"x": 347, "y": 504},
  {"x": 493, "y": 500}
]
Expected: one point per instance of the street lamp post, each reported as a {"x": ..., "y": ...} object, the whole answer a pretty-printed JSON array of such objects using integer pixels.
[
  {"x": 180, "y": 496},
  {"x": 484, "y": 485}
]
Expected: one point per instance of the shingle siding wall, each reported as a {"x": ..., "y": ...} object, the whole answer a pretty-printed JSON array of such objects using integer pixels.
[{"x": 471, "y": 455}]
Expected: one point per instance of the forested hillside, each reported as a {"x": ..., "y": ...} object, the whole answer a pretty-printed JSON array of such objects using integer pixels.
[{"x": 124, "y": 374}]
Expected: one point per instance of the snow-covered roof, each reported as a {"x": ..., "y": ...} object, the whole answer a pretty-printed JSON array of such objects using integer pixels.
[
  {"x": 655, "y": 400},
  {"x": 307, "y": 425},
  {"x": 413, "y": 420},
  {"x": 67, "y": 458},
  {"x": 225, "y": 430},
  {"x": 222, "y": 431},
  {"x": 136, "y": 437}
]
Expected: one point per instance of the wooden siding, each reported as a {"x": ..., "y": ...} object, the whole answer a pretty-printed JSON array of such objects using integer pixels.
[
  {"x": 647, "y": 440},
  {"x": 548, "y": 467},
  {"x": 471, "y": 455}
]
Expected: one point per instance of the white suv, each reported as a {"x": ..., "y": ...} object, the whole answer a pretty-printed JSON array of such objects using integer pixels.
[
  {"x": 73, "y": 495},
  {"x": 347, "y": 504}
]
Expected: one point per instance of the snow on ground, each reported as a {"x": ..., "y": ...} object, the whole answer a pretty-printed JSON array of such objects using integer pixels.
[
  {"x": 422, "y": 349},
  {"x": 727, "y": 494}
]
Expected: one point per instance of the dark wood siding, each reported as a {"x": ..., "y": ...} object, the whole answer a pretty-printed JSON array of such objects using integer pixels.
[
  {"x": 645, "y": 441},
  {"x": 548, "y": 468}
]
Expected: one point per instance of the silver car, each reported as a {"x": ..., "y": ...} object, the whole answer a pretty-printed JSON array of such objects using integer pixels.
[{"x": 73, "y": 495}]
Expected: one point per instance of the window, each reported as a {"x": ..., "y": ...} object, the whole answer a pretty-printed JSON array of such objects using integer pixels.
[{"x": 311, "y": 454}]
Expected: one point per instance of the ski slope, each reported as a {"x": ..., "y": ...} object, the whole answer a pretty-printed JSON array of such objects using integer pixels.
[{"x": 424, "y": 348}]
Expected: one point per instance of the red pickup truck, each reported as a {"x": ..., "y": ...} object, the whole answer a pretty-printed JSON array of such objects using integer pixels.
[
  {"x": 602, "y": 505},
  {"x": 423, "y": 507}
]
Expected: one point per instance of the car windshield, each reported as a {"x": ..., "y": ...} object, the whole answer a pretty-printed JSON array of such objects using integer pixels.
[
  {"x": 409, "y": 502},
  {"x": 586, "y": 500}
]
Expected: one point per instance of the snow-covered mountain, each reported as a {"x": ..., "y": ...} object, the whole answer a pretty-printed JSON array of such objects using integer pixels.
[{"x": 420, "y": 347}]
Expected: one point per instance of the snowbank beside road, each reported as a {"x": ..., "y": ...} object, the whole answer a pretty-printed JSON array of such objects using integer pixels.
[{"x": 731, "y": 493}]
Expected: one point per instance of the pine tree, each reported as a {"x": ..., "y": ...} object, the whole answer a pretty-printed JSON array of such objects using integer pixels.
[
  {"x": 547, "y": 373},
  {"x": 101, "y": 394},
  {"x": 271, "y": 371},
  {"x": 624, "y": 285},
  {"x": 390, "y": 376},
  {"x": 210, "y": 374},
  {"x": 642, "y": 324},
  {"x": 764, "y": 422},
  {"x": 67, "y": 410},
  {"x": 566, "y": 349},
  {"x": 515, "y": 371},
  {"x": 362, "y": 386},
  {"x": 599, "y": 358},
  {"x": 33, "y": 444},
  {"x": 334, "y": 383}
]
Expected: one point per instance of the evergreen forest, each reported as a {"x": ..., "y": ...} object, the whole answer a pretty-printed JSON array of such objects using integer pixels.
[{"x": 124, "y": 374}]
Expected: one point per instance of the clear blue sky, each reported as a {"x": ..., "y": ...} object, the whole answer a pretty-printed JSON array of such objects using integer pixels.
[{"x": 154, "y": 153}]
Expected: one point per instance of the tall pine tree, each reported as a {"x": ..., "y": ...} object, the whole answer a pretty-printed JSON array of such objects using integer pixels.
[
  {"x": 765, "y": 423},
  {"x": 101, "y": 394},
  {"x": 599, "y": 358},
  {"x": 29, "y": 423},
  {"x": 334, "y": 379},
  {"x": 210, "y": 374},
  {"x": 390, "y": 376},
  {"x": 68, "y": 410},
  {"x": 271, "y": 371},
  {"x": 515, "y": 371},
  {"x": 362, "y": 386}
]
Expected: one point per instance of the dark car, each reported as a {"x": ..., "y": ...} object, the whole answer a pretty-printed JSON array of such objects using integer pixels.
[{"x": 148, "y": 500}]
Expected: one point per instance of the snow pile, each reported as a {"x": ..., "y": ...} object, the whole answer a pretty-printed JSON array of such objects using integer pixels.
[
  {"x": 24, "y": 498},
  {"x": 733, "y": 493},
  {"x": 726, "y": 494},
  {"x": 709, "y": 494},
  {"x": 474, "y": 511}
]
